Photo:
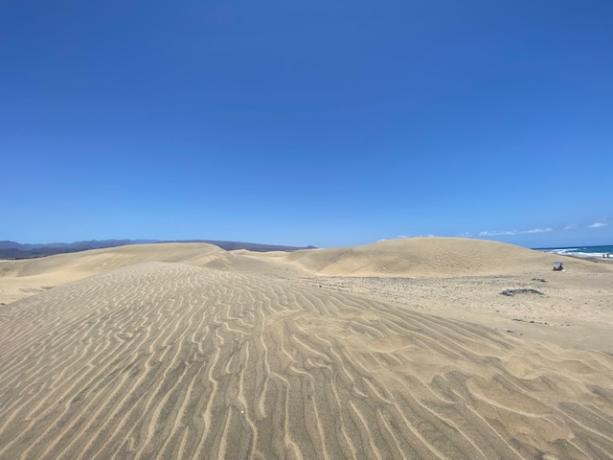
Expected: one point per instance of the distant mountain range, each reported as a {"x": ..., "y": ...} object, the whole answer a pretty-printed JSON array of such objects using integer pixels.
[{"x": 14, "y": 250}]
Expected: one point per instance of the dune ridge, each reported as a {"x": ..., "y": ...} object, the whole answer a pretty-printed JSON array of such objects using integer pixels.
[
  {"x": 409, "y": 257},
  {"x": 21, "y": 278},
  {"x": 426, "y": 257}
]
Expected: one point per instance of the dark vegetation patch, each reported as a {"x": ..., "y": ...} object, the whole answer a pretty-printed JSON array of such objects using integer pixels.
[
  {"x": 512, "y": 292},
  {"x": 531, "y": 321}
]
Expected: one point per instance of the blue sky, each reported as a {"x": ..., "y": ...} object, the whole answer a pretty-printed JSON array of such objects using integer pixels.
[{"x": 326, "y": 123}]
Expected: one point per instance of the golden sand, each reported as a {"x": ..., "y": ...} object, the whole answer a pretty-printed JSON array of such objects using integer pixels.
[{"x": 386, "y": 351}]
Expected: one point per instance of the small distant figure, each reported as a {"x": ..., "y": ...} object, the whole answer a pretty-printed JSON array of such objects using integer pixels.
[{"x": 558, "y": 266}]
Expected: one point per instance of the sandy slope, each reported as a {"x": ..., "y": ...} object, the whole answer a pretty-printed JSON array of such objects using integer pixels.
[
  {"x": 23, "y": 278},
  {"x": 189, "y": 351},
  {"x": 414, "y": 257},
  {"x": 426, "y": 257},
  {"x": 173, "y": 360},
  {"x": 573, "y": 309}
]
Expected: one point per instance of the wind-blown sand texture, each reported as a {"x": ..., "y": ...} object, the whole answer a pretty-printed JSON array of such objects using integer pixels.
[{"x": 186, "y": 351}]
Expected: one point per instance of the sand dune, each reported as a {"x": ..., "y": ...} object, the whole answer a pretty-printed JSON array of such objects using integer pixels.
[
  {"x": 172, "y": 360},
  {"x": 412, "y": 257},
  {"x": 22, "y": 278},
  {"x": 189, "y": 351},
  {"x": 426, "y": 257}
]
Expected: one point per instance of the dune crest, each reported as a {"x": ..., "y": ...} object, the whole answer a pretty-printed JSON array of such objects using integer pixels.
[
  {"x": 21, "y": 278},
  {"x": 425, "y": 257}
]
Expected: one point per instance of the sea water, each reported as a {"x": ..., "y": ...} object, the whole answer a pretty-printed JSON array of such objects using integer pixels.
[{"x": 583, "y": 251}]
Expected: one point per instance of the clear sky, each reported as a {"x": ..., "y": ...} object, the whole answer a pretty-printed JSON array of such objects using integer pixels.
[{"x": 311, "y": 122}]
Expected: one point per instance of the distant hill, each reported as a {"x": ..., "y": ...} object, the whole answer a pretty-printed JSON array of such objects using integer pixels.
[
  {"x": 232, "y": 245},
  {"x": 15, "y": 250}
]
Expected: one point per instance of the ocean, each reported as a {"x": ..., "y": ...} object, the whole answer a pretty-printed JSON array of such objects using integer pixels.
[{"x": 582, "y": 251}]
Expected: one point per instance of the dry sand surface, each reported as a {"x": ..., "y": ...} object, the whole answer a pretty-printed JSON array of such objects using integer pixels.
[
  {"x": 427, "y": 257},
  {"x": 400, "y": 349}
]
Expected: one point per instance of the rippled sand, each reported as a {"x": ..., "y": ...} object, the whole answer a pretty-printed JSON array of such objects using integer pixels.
[{"x": 225, "y": 357}]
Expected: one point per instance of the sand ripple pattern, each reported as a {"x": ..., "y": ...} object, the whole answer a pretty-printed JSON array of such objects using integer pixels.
[{"x": 165, "y": 360}]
